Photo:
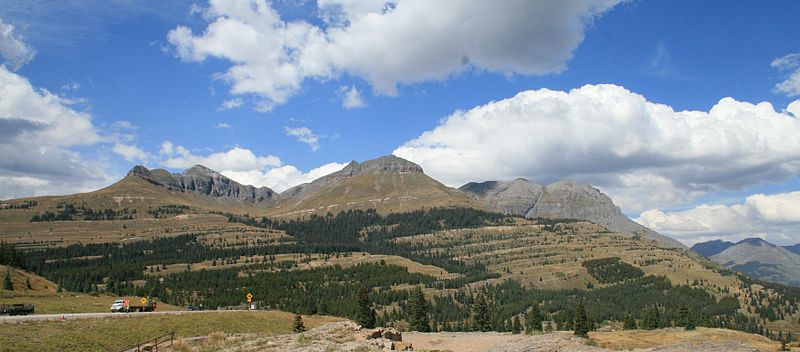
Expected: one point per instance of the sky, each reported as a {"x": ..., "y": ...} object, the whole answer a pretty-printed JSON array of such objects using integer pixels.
[{"x": 685, "y": 113}]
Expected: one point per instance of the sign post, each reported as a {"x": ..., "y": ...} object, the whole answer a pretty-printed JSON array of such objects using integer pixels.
[{"x": 249, "y": 300}]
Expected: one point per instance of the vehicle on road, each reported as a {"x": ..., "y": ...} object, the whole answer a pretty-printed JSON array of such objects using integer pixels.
[
  {"x": 125, "y": 305},
  {"x": 17, "y": 309}
]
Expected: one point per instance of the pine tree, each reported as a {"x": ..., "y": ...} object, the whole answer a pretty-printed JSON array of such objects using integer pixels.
[
  {"x": 365, "y": 316},
  {"x": 419, "y": 311},
  {"x": 7, "y": 284},
  {"x": 683, "y": 316},
  {"x": 690, "y": 323},
  {"x": 516, "y": 328},
  {"x": 581, "y": 321},
  {"x": 630, "y": 323},
  {"x": 533, "y": 321},
  {"x": 481, "y": 319},
  {"x": 298, "y": 324}
]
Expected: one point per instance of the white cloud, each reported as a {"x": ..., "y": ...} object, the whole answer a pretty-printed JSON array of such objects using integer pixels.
[
  {"x": 386, "y": 43},
  {"x": 773, "y": 217},
  {"x": 37, "y": 131},
  {"x": 131, "y": 153},
  {"x": 224, "y": 125},
  {"x": 351, "y": 97},
  {"x": 305, "y": 135},
  {"x": 282, "y": 178},
  {"x": 13, "y": 50},
  {"x": 790, "y": 64},
  {"x": 235, "y": 159},
  {"x": 645, "y": 155},
  {"x": 245, "y": 167},
  {"x": 231, "y": 104}
]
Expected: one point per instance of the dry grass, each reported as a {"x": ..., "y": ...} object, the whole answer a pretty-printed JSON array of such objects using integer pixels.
[
  {"x": 118, "y": 333},
  {"x": 631, "y": 339}
]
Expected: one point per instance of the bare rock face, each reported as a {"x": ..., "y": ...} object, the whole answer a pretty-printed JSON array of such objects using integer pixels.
[
  {"x": 561, "y": 200},
  {"x": 203, "y": 181}
]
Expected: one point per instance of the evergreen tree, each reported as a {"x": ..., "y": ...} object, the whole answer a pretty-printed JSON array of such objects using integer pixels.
[
  {"x": 298, "y": 324},
  {"x": 581, "y": 321},
  {"x": 365, "y": 316},
  {"x": 7, "y": 284},
  {"x": 419, "y": 311},
  {"x": 690, "y": 322},
  {"x": 683, "y": 316},
  {"x": 516, "y": 328},
  {"x": 533, "y": 321},
  {"x": 630, "y": 323},
  {"x": 481, "y": 319}
]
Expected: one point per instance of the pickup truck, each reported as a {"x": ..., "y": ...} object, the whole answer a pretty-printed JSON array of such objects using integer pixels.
[{"x": 125, "y": 305}]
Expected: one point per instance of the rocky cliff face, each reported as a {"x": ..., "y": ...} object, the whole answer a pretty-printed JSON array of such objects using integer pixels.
[
  {"x": 564, "y": 199},
  {"x": 762, "y": 260},
  {"x": 203, "y": 181}
]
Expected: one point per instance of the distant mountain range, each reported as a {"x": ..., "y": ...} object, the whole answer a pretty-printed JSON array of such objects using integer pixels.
[
  {"x": 757, "y": 258},
  {"x": 387, "y": 184}
]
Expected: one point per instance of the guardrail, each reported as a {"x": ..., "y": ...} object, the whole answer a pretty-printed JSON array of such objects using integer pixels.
[{"x": 157, "y": 344}]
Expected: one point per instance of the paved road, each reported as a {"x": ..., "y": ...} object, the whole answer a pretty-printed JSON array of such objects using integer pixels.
[{"x": 74, "y": 316}]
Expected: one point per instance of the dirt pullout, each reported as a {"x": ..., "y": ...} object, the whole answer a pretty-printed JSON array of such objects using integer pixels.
[
  {"x": 347, "y": 336},
  {"x": 554, "y": 342}
]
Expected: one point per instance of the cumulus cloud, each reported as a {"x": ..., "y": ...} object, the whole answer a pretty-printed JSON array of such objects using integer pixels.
[
  {"x": 386, "y": 43},
  {"x": 244, "y": 166},
  {"x": 14, "y": 51},
  {"x": 791, "y": 65},
  {"x": 38, "y": 131},
  {"x": 644, "y": 154},
  {"x": 282, "y": 178},
  {"x": 305, "y": 135},
  {"x": 351, "y": 97},
  {"x": 130, "y": 152},
  {"x": 773, "y": 217},
  {"x": 235, "y": 159}
]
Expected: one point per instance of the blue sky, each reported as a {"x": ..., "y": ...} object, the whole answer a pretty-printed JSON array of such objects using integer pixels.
[{"x": 169, "y": 85}]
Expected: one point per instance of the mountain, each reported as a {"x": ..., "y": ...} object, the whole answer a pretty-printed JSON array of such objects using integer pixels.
[
  {"x": 388, "y": 183},
  {"x": 762, "y": 260},
  {"x": 563, "y": 199},
  {"x": 793, "y": 248},
  {"x": 203, "y": 181},
  {"x": 707, "y": 249}
]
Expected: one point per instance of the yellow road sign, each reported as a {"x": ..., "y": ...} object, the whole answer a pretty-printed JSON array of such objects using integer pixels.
[
  {"x": 249, "y": 297},
  {"x": 144, "y": 300}
]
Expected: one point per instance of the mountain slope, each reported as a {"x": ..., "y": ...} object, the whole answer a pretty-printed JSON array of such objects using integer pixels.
[
  {"x": 387, "y": 184},
  {"x": 707, "y": 249},
  {"x": 762, "y": 260},
  {"x": 795, "y": 248},
  {"x": 203, "y": 181},
  {"x": 564, "y": 199}
]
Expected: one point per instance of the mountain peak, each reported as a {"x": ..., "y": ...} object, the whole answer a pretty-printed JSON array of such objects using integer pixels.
[
  {"x": 755, "y": 241},
  {"x": 202, "y": 180},
  {"x": 388, "y": 163}
]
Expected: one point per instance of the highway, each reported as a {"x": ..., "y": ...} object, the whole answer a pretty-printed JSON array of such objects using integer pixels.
[{"x": 75, "y": 316}]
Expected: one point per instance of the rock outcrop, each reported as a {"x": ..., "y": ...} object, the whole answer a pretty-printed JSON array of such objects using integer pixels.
[
  {"x": 203, "y": 181},
  {"x": 565, "y": 200}
]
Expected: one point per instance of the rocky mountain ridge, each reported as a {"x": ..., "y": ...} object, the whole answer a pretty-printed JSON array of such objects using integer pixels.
[
  {"x": 203, "y": 181},
  {"x": 562, "y": 199}
]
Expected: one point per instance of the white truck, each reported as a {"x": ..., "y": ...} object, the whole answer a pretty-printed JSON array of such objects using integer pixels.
[{"x": 125, "y": 305}]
